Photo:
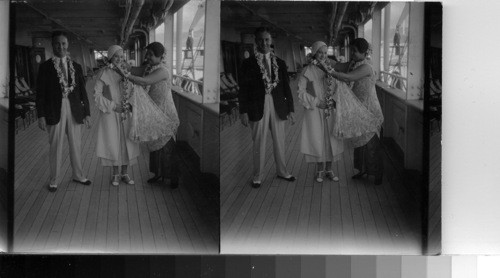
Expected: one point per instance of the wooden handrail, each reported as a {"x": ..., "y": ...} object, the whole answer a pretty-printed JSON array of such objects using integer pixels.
[{"x": 188, "y": 85}]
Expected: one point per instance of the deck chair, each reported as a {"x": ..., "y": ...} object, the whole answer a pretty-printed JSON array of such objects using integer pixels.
[
  {"x": 229, "y": 94},
  {"x": 25, "y": 97}
]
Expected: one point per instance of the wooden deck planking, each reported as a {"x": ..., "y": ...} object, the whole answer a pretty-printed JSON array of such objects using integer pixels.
[
  {"x": 112, "y": 238},
  {"x": 258, "y": 224},
  {"x": 133, "y": 220},
  {"x": 69, "y": 223},
  {"x": 166, "y": 220},
  {"x": 100, "y": 217},
  {"x": 305, "y": 212}
]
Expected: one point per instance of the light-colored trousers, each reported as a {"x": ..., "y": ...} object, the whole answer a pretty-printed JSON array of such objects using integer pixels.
[
  {"x": 270, "y": 121},
  {"x": 68, "y": 125}
]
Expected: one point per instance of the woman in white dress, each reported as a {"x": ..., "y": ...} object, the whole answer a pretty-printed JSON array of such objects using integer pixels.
[
  {"x": 114, "y": 147},
  {"x": 335, "y": 118},
  {"x": 317, "y": 143}
]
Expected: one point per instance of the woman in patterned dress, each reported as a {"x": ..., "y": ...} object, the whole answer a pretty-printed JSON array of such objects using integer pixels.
[
  {"x": 162, "y": 156},
  {"x": 368, "y": 154}
]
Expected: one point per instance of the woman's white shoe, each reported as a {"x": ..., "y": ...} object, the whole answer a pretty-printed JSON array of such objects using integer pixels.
[
  {"x": 126, "y": 179},
  {"x": 319, "y": 176},
  {"x": 115, "y": 180},
  {"x": 332, "y": 176}
]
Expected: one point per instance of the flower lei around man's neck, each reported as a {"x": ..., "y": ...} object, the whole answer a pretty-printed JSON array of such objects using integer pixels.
[
  {"x": 65, "y": 87},
  {"x": 268, "y": 82}
]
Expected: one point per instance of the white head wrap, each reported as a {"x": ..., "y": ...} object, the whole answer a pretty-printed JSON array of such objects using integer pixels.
[
  {"x": 112, "y": 50},
  {"x": 316, "y": 46}
]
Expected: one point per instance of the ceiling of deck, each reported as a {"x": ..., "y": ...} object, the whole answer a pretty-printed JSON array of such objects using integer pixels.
[
  {"x": 302, "y": 21},
  {"x": 97, "y": 22}
]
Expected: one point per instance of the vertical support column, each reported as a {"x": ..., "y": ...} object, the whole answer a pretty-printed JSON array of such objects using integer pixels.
[
  {"x": 168, "y": 40},
  {"x": 4, "y": 47},
  {"x": 416, "y": 52},
  {"x": 137, "y": 58},
  {"x": 292, "y": 67},
  {"x": 84, "y": 62},
  {"x": 361, "y": 31},
  {"x": 152, "y": 35},
  {"x": 376, "y": 40},
  {"x": 211, "y": 82},
  {"x": 178, "y": 46},
  {"x": 387, "y": 37}
]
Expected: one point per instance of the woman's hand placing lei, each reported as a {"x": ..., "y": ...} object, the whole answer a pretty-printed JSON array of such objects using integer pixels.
[{"x": 324, "y": 65}]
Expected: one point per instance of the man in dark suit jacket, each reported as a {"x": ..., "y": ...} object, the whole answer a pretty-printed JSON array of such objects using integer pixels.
[
  {"x": 266, "y": 103},
  {"x": 62, "y": 107}
]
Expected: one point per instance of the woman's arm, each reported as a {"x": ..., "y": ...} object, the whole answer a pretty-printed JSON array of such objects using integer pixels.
[
  {"x": 341, "y": 67},
  {"x": 358, "y": 73},
  {"x": 152, "y": 78},
  {"x": 137, "y": 71},
  {"x": 307, "y": 100},
  {"x": 104, "y": 104}
]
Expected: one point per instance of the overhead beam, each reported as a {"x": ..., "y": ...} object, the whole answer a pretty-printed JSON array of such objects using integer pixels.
[
  {"x": 130, "y": 21},
  {"x": 331, "y": 34},
  {"x": 269, "y": 21},
  {"x": 58, "y": 22},
  {"x": 338, "y": 19}
]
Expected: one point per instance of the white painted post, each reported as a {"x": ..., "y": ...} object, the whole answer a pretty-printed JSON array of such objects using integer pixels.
[
  {"x": 152, "y": 35},
  {"x": 178, "y": 46},
  {"x": 4, "y": 47},
  {"x": 416, "y": 52},
  {"x": 387, "y": 37},
  {"x": 376, "y": 40},
  {"x": 168, "y": 40},
  {"x": 211, "y": 60},
  {"x": 361, "y": 31}
]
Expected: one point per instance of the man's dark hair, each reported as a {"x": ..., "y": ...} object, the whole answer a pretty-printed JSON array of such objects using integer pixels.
[
  {"x": 56, "y": 34},
  {"x": 262, "y": 30}
]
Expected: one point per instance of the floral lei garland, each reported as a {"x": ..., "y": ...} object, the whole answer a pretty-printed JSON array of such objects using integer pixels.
[
  {"x": 268, "y": 82},
  {"x": 330, "y": 91},
  {"x": 126, "y": 105},
  {"x": 66, "y": 89}
]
